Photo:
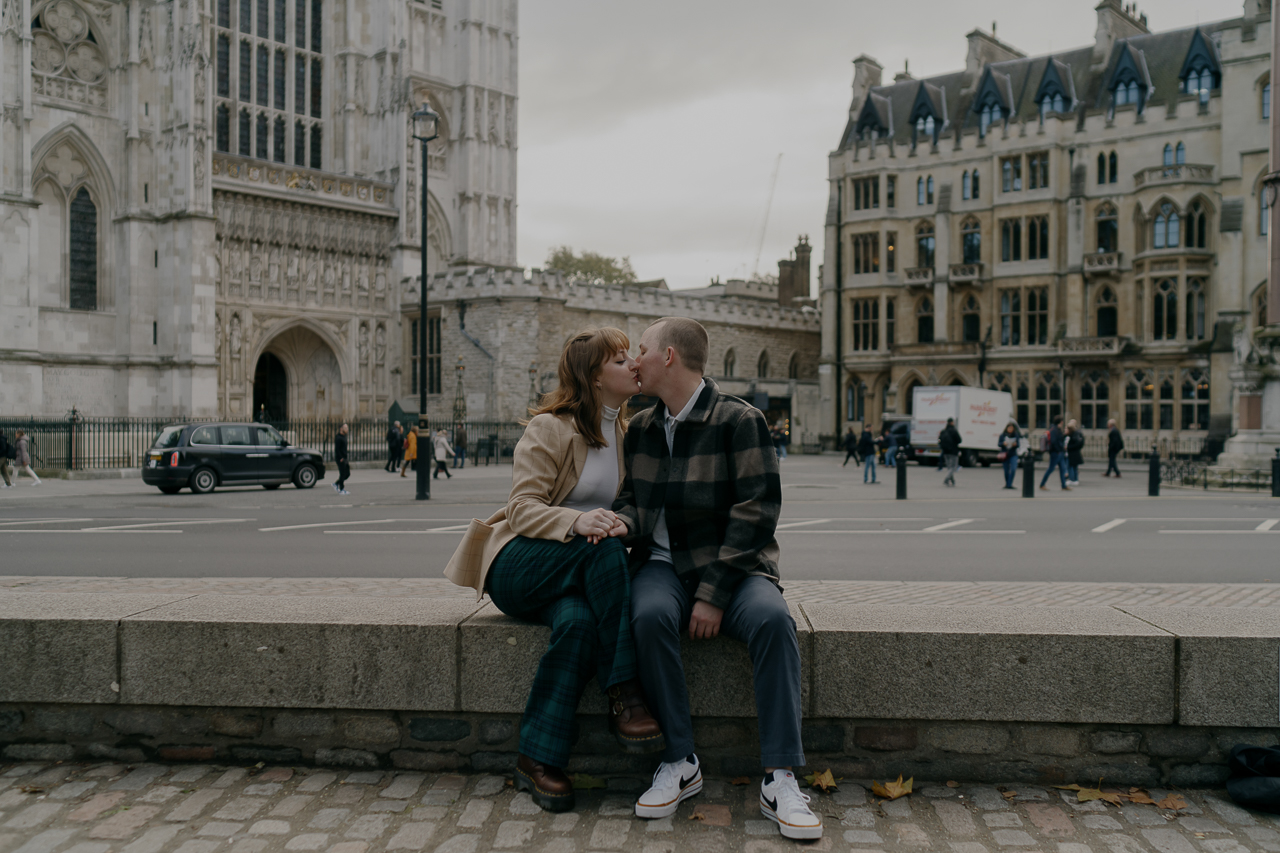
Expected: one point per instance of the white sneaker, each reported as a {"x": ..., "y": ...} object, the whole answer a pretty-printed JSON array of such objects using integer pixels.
[
  {"x": 673, "y": 783},
  {"x": 782, "y": 802},
  {"x": 343, "y": 492}
]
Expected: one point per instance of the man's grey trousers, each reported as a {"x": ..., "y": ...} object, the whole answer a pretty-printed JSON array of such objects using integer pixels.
[{"x": 759, "y": 617}]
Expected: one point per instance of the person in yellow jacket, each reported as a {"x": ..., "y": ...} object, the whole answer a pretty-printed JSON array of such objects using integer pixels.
[{"x": 410, "y": 450}]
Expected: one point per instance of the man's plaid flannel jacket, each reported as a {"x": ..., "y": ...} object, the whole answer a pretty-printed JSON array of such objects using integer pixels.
[{"x": 720, "y": 487}]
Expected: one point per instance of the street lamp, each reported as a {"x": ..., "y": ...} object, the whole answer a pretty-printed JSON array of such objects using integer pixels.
[{"x": 426, "y": 127}]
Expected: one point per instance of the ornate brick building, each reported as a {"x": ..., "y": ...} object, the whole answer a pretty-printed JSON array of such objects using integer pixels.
[
  {"x": 207, "y": 206},
  {"x": 1085, "y": 230}
]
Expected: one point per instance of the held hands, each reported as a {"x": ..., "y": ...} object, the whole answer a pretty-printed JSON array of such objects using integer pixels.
[
  {"x": 705, "y": 621},
  {"x": 599, "y": 524}
]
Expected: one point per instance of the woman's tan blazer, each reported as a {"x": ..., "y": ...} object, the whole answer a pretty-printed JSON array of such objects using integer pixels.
[{"x": 547, "y": 465}]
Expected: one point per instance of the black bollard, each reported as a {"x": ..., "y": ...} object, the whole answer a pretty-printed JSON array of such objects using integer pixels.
[
  {"x": 1029, "y": 475},
  {"x": 1153, "y": 474},
  {"x": 902, "y": 474},
  {"x": 1275, "y": 475}
]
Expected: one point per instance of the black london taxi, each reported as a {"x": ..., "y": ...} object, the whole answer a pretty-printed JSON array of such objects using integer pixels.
[{"x": 204, "y": 456}]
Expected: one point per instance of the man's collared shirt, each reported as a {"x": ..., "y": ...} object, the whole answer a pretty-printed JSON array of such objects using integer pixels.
[{"x": 661, "y": 536}]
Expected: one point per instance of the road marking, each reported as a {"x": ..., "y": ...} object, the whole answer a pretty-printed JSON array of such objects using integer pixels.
[
  {"x": 801, "y": 523},
  {"x": 444, "y": 530},
  {"x": 949, "y": 524},
  {"x": 1228, "y": 532},
  {"x": 1110, "y": 525},
  {"x": 165, "y": 524},
  {"x": 43, "y": 521},
  {"x": 140, "y": 532},
  {"x": 902, "y": 532},
  {"x": 1267, "y": 525},
  {"x": 329, "y": 524}
]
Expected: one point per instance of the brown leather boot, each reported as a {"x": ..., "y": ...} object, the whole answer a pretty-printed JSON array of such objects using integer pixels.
[
  {"x": 632, "y": 725},
  {"x": 549, "y": 787}
]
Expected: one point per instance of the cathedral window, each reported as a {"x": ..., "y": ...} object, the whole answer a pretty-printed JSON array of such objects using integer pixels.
[
  {"x": 730, "y": 363},
  {"x": 1164, "y": 307},
  {"x": 890, "y": 191},
  {"x": 1048, "y": 398},
  {"x": 1197, "y": 237},
  {"x": 970, "y": 320},
  {"x": 1010, "y": 240},
  {"x": 1167, "y": 233},
  {"x": 1095, "y": 399},
  {"x": 866, "y": 193},
  {"x": 1113, "y": 162},
  {"x": 1266, "y": 100},
  {"x": 1037, "y": 238},
  {"x": 1105, "y": 318},
  {"x": 1180, "y": 154},
  {"x": 762, "y": 365},
  {"x": 1011, "y": 174},
  {"x": 924, "y": 321},
  {"x": 1037, "y": 316},
  {"x": 1038, "y": 170},
  {"x": 976, "y": 187},
  {"x": 866, "y": 253},
  {"x": 1102, "y": 168},
  {"x": 919, "y": 191},
  {"x": 924, "y": 244},
  {"x": 890, "y": 251},
  {"x": 1010, "y": 317},
  {"x": 928, "y": 190},
  {"x": 1139, "y": 393},
  {"x": 971, "y": 241},
  {"x": 1195, "y": 314},
  {"x": 258, "y": 44},
  {"x": 66, "y": 62},
  {"x": 888, "y": 321},
  {"x": 966, "y": 188},
  {"x": 866, "y": 324},
  {"x": 1195, "y": 400},
  {"x": 83, "y": 227}
]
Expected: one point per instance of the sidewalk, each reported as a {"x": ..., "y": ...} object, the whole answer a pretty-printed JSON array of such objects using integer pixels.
[
  {"x": 955, "y": 594},
  {"x": 147, "y": 808}
]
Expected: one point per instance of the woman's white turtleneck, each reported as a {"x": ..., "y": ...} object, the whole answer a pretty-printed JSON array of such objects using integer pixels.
[{"x": 598, "y": 485}]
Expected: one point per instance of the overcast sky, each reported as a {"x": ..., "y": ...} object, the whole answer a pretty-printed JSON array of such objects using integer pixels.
[{"x": 652, "y": 129}]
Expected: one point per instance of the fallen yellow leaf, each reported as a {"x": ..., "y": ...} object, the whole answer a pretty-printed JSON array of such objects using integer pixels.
[
  {"x": 823, "y": 781},
  {"x": 892, "y": 790},
  {"x": 1137, "y": 795},
  {"x": 585, "y": 782},
  {"x": 1009, "y": 795},
  {"x": 1085, "y": 795},
  {"x": 741, "y": 780},
  {"x": 1173, "y": 801},
  {"x": 697, "y": 816}
]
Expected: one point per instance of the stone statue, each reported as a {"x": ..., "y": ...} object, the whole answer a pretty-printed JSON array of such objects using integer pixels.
[
  {"x": 380, "y": 345},
  {"x": 363, "y": 343}
]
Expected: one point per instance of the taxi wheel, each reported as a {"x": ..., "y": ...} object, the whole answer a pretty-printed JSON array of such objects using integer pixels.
[
  {"x": 304, "y": 477},
  {"x": 170, "y": 490},
  {"x": 203, "y": 481}
]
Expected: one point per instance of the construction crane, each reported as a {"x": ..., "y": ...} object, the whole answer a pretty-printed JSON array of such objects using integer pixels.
[{"x": 764, "y": 226}]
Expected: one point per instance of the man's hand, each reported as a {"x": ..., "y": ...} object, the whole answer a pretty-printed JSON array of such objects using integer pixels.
[
  {"x": 595, "y": 525},
  {"x": 705, "y": 621},
  {"x": 619, "y": 528}
]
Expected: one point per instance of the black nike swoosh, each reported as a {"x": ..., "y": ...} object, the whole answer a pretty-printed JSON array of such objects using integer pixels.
[
  {"x": 773, "y": 804},
  {"x": 684, "y": 783}
]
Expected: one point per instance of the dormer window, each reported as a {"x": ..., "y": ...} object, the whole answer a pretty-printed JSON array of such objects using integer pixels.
[
  {"x": 1127, "y": 93},
  {"x": 1200, "y": 81},
  {"x": 1201, "y": 69},
  {"x": 925, "y": 126},
  {"x": 989, "y": 115},
  {"x": 1054, "y": 104}
]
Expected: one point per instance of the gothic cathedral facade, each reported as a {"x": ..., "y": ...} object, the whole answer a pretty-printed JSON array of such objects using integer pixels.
[{"x": 212, "y": 206}]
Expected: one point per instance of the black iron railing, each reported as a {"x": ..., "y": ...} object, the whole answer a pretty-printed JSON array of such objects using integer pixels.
[
  {"x": 1201, "y": 475},
  {"x": 78, "y": 443},
  {"x": 1139, "y": 447}
]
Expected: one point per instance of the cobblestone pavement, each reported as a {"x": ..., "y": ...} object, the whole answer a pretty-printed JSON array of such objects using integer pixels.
[
  {"x": 836, "y": 592},
  {"x": 113, "y": 808}
]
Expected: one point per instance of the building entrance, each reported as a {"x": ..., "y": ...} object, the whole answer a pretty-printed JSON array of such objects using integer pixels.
[{"x": 270, "y": 389}]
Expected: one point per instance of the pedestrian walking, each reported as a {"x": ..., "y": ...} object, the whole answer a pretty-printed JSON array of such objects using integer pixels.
[
  {"x": 949, "y": 442},
  {"x": 442, "y": 452},
  {"x": 1075, "y": 452},
  {"x": 395, "y": 444},
  {"x": 1115, "y": 446},
  {"x": 7, "y": 453},
  {"x": 1055, "y": 443},
  {"x": 22, "y": 458},
  {"x": 779, "y": 437},
  {"x": 1010, "y": 441},
  {"x": 889, "y": 442},
  {"x": 459, "y": 446},
  {"x": 867, "y": 449},
  {"x": 340, "y": 457},
  {"x": 410, "y": 451},
  {"x": 850, "y": 448}
]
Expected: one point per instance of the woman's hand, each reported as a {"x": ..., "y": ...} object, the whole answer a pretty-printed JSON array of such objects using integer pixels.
[{"x": 595, "y": 525}]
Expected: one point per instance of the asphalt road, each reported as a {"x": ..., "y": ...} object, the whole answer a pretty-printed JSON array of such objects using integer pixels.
[{"x": 833, "y": 528}]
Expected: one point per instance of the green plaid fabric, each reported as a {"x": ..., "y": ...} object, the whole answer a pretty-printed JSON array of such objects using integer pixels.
[{"x": 583, "y": 593}]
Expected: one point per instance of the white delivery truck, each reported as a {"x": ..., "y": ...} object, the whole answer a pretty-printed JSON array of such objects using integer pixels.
[{"x": 981, "y": 416}]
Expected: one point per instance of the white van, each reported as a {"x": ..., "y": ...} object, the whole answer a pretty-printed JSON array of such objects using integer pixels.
[{"x": 980, "y": 415}]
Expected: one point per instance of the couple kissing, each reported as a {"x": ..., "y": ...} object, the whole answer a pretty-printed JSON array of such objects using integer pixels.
[{"x": 622, "y": 536}]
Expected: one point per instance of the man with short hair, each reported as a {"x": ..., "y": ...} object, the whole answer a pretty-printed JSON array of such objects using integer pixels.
[
  {"x": 1057, "y": 456},
  {"x": 1115, "y": 446},
  {"x": 340, "y": 457},
  {"x": 698, "y": 508},
  {"x": 949, "y": 443},
  {"x": 395, "y": 446}
]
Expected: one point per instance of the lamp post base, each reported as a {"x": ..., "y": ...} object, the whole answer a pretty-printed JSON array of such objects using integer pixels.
[{"x": 424, "y": 460}]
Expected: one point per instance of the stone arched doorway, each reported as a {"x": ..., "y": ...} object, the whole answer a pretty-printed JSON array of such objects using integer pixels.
[
  {"x": 270, "y": 389},
  {"x": 314, "y": 375}
]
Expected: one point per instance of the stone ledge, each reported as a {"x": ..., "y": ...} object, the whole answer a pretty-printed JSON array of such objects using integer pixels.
[{"x": 1043, "y": 665}]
